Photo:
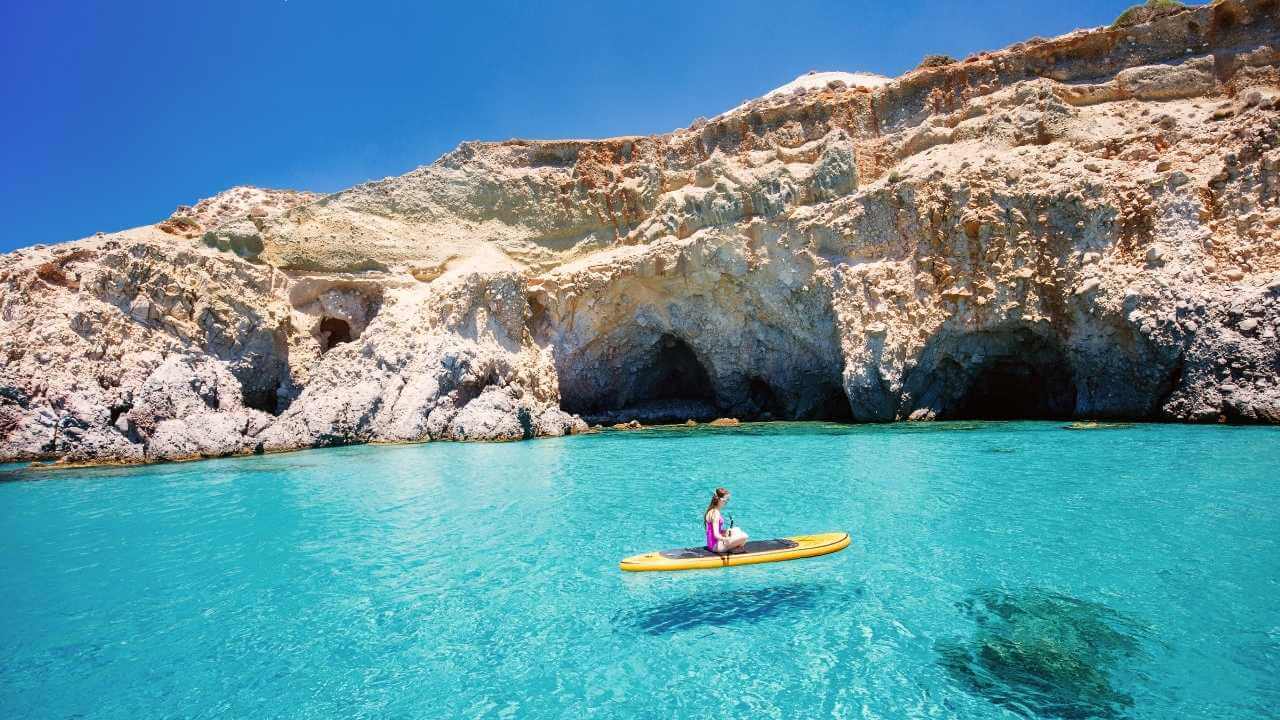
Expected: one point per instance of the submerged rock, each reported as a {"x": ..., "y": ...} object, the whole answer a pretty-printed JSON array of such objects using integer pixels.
[{"x": 1044, "y": 654}]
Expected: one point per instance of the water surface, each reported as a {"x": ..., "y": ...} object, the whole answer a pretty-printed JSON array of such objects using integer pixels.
[{"x": 998, "y": 570}]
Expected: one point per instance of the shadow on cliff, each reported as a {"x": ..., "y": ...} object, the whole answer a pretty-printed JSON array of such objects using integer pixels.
[
  {"x": 667, "y": 381},
  {"x": 1041, "y": 654}
]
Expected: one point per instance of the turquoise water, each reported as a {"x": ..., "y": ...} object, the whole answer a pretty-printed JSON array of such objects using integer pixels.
[{"x": 998, "y": 570}]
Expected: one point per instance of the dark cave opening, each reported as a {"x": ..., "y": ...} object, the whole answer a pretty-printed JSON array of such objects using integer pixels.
[
  {"x": 1018, "y": 375},
  {"x": 1012, "y": 389},
  {"x": 662, "y": 379},
  {"x": 669, "y": 384},
  {"x": 265, "y": 399},
  {"x": 262, "y": 368},
  {"x": 764, "y": 401},
  {"x": 834, "y": 405},
  {"x": 332, "y": 332},
  {"x": 261, "y": 399},
  {"x": 673, "y": 373}
]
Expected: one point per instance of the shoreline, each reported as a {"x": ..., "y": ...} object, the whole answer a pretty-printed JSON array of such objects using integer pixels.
[{"x": 922, "y": 425}]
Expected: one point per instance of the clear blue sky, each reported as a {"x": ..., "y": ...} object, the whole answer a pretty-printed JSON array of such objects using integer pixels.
[{"x": 113, "y": 113}]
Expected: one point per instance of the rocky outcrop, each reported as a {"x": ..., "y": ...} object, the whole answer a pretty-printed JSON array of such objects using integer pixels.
[
  {"x": 231, "y": 208},
  {"x": 126, "y": 348},
  {"x": 1085, "y": 226}
]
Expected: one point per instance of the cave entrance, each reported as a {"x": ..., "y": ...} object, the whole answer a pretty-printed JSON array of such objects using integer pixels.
[
  {"x": 764, "y": 401},
  {"x": 1014, "y": 389},
  {"x": 1013, "y": 375},
  {"x": 332, "y": 332},
  {"x": 265, "y": 399},
  {"x": 673, "y": 373},
  {"x": 834, "y": 405},
  {"x": 655, "y": 381}
]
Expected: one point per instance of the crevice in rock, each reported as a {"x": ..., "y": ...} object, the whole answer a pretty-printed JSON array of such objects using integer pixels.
[
  {"x": 262, "y": 367},
  {"x": 326, "y": 440},
  {"x": 469, "y": 390},
  {"x": 539, "y": 319},
  {"x": 1170, "y": 385},
  {"x": 129, "y": 431},
  {"x": 119, "y": 409},
  {"x": 526, "y": 423},
  {"x": 15, "y": 395}
]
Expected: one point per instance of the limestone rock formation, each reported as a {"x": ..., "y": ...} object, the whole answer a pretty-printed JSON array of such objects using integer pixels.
[
  {"x": 242, "y": 203},
  {"x": 1086, "y": 226}
]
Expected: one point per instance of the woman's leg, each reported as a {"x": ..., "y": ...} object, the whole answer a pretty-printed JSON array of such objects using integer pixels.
[{"x": 735, "y": 538}]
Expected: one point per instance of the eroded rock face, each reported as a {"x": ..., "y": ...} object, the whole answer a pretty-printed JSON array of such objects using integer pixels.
[
  {"x": 232, "y": 212},
  {"x": 1079, "y": 227}
]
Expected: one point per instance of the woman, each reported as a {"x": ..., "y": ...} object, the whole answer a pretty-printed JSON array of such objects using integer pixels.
[{"x": 720, "y": 540}]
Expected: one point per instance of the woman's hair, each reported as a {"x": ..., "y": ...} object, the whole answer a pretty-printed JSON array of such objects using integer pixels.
[{"x": 716, "y": 497}]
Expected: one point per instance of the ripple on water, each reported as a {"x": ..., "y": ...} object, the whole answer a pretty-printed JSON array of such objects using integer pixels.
[
  {"x": 1044, "y": 654},
  {"x": 481, "y": 580}
]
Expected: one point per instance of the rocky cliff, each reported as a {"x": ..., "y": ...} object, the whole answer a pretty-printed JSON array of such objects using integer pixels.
[{"x": 1085, "y": 226}]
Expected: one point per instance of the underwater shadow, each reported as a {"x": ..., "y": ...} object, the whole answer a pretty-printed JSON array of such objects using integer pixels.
[
  {"x": 1042, "y": 654},
  {"x": 732, "y": 608}
]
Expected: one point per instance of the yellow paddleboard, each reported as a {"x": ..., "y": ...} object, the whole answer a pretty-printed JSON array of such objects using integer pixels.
[{"x": 755, "y": 551}]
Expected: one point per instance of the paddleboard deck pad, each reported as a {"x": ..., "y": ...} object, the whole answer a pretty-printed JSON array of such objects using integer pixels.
[{"x": 754, "y": 552}]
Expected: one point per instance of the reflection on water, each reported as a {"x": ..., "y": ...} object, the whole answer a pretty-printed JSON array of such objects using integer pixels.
[
  {"x": 1044, "y": 654},
  {"x": 1093, "y": 425},
  {"x": 730, "y": 608},
  {"x": 943, "y": 426}
]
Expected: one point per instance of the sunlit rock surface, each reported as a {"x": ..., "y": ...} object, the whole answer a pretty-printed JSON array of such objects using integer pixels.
[{"x": 1079, "y": 227}]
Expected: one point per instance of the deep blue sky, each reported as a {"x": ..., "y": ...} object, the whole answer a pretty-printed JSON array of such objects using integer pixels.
[{"x": 113, "y": 113}]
